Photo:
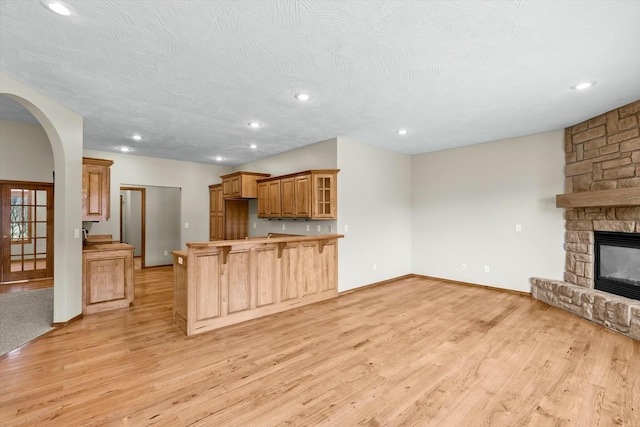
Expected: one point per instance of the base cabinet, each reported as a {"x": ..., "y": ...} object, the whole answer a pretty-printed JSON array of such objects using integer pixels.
[{"x": 107, "y": 277}]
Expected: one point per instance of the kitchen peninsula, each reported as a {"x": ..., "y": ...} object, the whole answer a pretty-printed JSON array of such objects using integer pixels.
[{"x": 220, "y": 283}]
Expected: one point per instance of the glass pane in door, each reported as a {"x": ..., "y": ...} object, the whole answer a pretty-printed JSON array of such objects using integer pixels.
[{"x": 28, "y": 244}]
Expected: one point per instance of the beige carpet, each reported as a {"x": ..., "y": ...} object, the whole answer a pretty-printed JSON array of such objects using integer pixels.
[{"x": 24, "y": 316}]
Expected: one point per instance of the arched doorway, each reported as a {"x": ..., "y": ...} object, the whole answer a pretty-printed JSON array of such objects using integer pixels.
[
  {"x": 64, "y": 129},
  {"x": 26, "y": 200}
]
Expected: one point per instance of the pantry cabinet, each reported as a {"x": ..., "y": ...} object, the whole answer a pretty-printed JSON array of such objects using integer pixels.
[{"x": 228, "y": 218}]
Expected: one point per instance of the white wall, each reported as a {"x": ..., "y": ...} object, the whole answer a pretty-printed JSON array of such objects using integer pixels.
[
  {"x": 25, "y": 153},
  {"x": 162, "y": 217},
  {"x": 467, "y": 202},
  {"x": 374, "y": 201},
  {"x": 321, "y": 155},
  {"x": 193, "y": 178},
  {"x": 132, "y": 219}
]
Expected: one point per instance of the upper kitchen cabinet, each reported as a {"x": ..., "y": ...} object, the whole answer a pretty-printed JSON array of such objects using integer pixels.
[
  {"x": 310, "y": 195},
  {"x": 241, "y": 185},
  {"x": 269, "y": 197},
  {"x": 96, "y": 185},
  {"x": 324, "y": 197}
]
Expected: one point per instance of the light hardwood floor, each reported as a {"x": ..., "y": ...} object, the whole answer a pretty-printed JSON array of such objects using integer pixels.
[
  {"x": 414, "y": 352},
  {"x": 26, "y": 285}
]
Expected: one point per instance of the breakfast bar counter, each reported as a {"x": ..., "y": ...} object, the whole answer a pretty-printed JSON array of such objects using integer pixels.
[{"x": 220, "y": 283}]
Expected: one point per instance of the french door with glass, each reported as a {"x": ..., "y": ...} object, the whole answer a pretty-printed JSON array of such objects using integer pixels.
[{"x": 26, "y": 220}]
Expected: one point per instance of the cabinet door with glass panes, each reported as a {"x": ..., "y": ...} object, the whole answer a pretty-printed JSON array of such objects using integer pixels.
[{"x": 324, "y": 196}]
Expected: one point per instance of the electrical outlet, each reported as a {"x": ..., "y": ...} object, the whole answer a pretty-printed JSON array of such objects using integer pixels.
[
  {"x": 283, "y": 226},
  {"x": 319, "y": 229},
  {"x": 308, "y": 227},
  {"x": 166, "y": 253},
  {"x": 254, "y": 225},
  {"x": 186, "y": 225},
  {"x": 464, "y": 266},
  {"x": 486, "y": 268}
]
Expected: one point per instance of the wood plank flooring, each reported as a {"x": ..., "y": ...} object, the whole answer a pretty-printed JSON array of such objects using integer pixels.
[
  {"x": 416, "y": 352},
  {"x": 26, "y": 285}
]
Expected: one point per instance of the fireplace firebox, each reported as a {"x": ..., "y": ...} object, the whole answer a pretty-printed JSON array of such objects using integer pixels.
[{"x": 617, "y": 263}]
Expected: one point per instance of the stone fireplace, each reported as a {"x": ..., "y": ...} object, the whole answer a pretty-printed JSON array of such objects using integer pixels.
[{"x": 602, "y": 194}]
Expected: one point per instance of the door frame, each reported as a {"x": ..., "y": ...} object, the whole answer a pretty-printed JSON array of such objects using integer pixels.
[
  {"x": 143, "y": 201},
  {"x": 5, "y": 251}
]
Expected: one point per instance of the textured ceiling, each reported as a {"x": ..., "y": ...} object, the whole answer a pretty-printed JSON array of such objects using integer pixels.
[{"x": 189, "y": 75}]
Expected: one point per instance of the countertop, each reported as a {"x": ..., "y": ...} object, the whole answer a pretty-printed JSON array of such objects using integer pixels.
[
  {"x": 255, "y": 240},
  {"x": 101, "y": 247}
]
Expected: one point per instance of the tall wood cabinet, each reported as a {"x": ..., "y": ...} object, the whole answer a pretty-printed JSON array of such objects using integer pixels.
[
  {"x": 228, "y": 218},
  {"x": 96, "y": 185},
  {"x": 310, "y": 194}
]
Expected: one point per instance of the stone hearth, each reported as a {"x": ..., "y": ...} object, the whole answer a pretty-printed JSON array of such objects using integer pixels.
[{"x": 602, "y": 154}]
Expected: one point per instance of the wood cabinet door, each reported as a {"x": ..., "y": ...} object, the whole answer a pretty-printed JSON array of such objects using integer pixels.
[
  {"x": 274, "y": 199},
  {"x": 324, "y": 196},
  {"x": 216, "y": 213},
  {"x": 231, "y": 187},
  {"x": 303, "y": 196},
  {"x": 107, "y": 280},
  {"x": 212, "y": 226},
  {"x": 288, "y": 197},
  {"x": 95, "y": 193},
  {"x": 263, "y": 200},
  {"x": 213, "y": 193},
  {"x": 219, "y": 226}
]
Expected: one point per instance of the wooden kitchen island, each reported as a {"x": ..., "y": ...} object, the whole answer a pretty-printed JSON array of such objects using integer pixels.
[{"x": 224, "y": 282}]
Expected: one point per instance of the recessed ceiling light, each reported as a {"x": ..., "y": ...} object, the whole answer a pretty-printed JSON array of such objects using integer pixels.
[
  {"x": 303, "y": 96},
  {"x": 57, "y": 7},
  {"x": 255, "y": 125},
  {"x": 218, "y": 158},
  {"x": 136, "y": 137},
  {"x": 254, "y": 146},
  {"x": 402, "y": 132},
  {"x": 583, "y": 85},
  {"x": 125, "y": 149}
]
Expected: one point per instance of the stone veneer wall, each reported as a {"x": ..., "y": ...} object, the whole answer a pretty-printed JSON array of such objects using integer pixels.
[{"x": 602, "y": 153}]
